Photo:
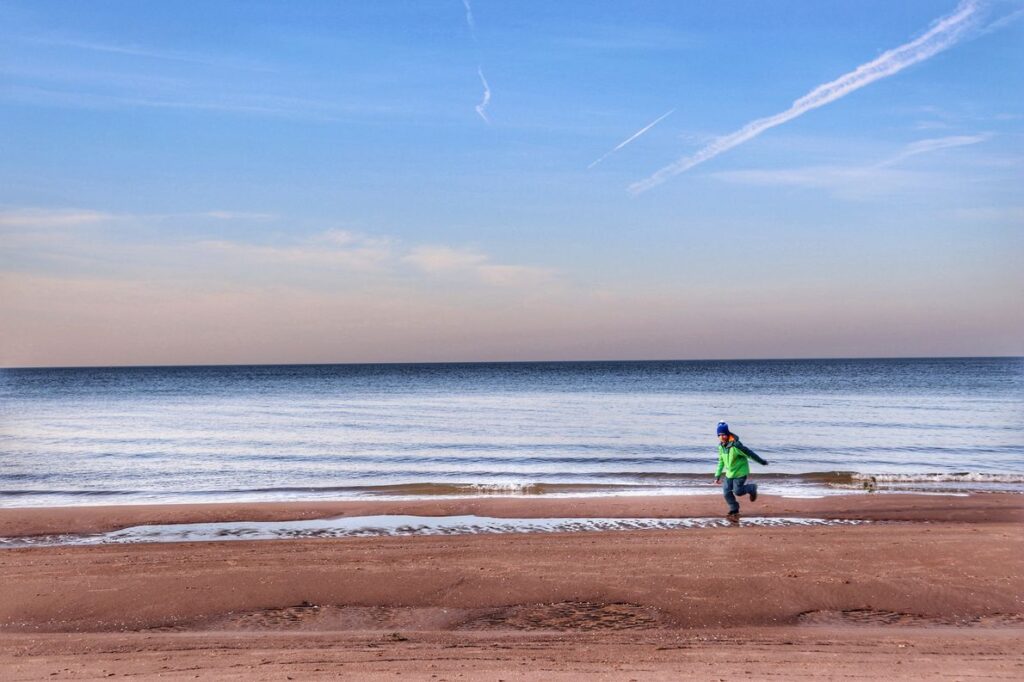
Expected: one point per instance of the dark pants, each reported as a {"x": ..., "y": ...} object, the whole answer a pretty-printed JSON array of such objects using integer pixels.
[{"x": 733, "y": 488}]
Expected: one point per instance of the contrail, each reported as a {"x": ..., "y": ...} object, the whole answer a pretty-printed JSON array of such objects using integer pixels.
[
  {"x": 482, "y": 107},
  {"x": 632, "y": 137},
  {"x": 931, "y": 145},
  {"x": 999, "y": 23},
  {"x": 943, "y": 34},
  {"x": 469, "y": 18}
]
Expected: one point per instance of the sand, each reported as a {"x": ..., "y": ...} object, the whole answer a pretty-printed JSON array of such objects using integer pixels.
[{"x": 933, "y": 588}]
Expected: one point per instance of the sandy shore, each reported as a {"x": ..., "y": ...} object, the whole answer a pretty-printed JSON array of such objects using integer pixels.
[{"x": 934, "y": 589}]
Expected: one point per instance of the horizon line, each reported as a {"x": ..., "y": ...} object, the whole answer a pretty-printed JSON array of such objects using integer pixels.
[{"x": 519, "y": 362}]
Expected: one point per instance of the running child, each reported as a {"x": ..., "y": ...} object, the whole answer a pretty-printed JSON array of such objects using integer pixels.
[{"x": 732, "y": 461}]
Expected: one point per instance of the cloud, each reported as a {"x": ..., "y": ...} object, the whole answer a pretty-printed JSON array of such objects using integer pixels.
[
  {"x": 482, "y": 107},
  {"x": 854, "y": 181},
  {"x": 39, "y": 240},
  {"x": 934, "y": 144},
  {"x": 437, "y": 259},
  {"x": 1003, "y": 21},
  {"x": 134, "y": 50},
  {"x": 41, "y": 217},
  {"x": 632, "y": 137},
  {"x": 446, "y": 260},
  {"x": 202, "y": 97},
  {"x": 351, "y": 251},
  {"x": 73, "y": 217},
  {"x": 238, "y": 215},
  {"x": 943, "y": 34},
  {"x": 334, "y": 248},
  {"x": 98, "y": 85},
  {"x": 469, "y": 18}
]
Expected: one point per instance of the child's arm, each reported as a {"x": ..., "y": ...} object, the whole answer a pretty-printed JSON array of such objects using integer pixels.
[{"x": 751, "y": 454}]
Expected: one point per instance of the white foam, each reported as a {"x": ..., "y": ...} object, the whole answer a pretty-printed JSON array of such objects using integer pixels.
[
  {"x": 396, "y": 525},
  {"x": 962, "y": 477}
]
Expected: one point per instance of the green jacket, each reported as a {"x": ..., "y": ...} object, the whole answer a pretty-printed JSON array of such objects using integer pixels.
[{"x": 732, "y": 459}]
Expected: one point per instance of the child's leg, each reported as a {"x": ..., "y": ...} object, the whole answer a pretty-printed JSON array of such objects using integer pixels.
[
  {"x": 730, "y": 499},
  {"x": 739, "y": 486}
]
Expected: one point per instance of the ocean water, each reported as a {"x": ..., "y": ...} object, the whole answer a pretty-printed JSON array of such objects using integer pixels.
[{"x": 196, "y": 434}]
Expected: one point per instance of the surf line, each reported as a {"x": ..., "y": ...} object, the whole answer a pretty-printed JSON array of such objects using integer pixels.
[{"x": 400, "y": 526}]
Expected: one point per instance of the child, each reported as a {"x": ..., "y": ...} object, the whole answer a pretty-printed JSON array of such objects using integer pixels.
[{"x": 732, "y": 460}]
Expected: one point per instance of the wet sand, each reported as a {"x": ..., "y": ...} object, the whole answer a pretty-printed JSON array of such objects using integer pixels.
[{"x": 934, "y": 588}]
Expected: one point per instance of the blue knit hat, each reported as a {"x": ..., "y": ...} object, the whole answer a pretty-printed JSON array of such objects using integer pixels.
[{"x": 723, "y": 429}]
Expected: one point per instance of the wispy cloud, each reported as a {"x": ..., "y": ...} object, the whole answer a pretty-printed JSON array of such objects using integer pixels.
[
  {"x": 38, "y": 217},
  {"x": 72, "y": 217},
  {"x": 134, "y": 50},
  {"x": 1003, "y": 21},
  {"x": 438, "y": 259},
  {"x": 200, "y": 98},
  {"x": 856, "y": 181},
  {"x": 81, "y": 79},
  {"x": 943, "y": 34},
  {"x": 45, "y": 239},
  {"x": 339, "y": 248},
  {"x": 932, "y": 145},
  {"x": 469, "y": 18},
  {"x": 847, "y": 182},
  {"x": 238, "y": 215},
  {"x": 446, "y": 260},
  {"x": 632, "y": 137},
  {"x": 482, "y": 107}
]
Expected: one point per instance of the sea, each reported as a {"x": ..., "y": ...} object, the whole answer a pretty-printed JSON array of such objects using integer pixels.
[{"x": 130, "y": 435}]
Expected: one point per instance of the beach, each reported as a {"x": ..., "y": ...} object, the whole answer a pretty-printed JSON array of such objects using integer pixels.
[
  {"x": 418, "y": 340},
  {"x": 928, "y": 586}
]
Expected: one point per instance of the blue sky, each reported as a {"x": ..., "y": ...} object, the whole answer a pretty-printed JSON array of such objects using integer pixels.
[{"x": 234, "y": 182}]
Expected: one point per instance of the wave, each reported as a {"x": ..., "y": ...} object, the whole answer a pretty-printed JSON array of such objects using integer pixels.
[
  {"x": 957, "y": 477},
  {"x": 435, "y": 489},
  {"x": 605, "y": 484}
]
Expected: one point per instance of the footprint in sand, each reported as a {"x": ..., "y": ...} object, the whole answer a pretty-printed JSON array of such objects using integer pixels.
[
  {"x": 568, "y": 616},
  {"x": 878, "y": 617}
]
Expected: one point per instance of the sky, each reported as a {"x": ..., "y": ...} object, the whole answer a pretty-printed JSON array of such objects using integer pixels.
[{"x": 474, "y": 180}]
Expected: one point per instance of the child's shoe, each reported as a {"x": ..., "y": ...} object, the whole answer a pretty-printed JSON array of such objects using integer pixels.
[{"x": 753, "y": 493}]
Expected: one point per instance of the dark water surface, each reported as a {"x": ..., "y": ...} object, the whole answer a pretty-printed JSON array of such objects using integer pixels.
[{"x": 177, "y": 434}]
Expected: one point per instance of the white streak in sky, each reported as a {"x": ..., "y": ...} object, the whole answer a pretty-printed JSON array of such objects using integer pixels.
[
  {"x": 999, "y": 23},
  {"x": 632, "y": 137},
  {"x": 482, "y": 107},
  {"x": 469, "y": 18},
  {"x": 858, "y": 181},
  {"x": 943, "y": 34},
  {"x": 932, "y": 145}
]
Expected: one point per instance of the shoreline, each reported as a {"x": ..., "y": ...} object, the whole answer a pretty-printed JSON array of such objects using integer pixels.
[
  {"x": 32, "y": 521},
  {"x": 940, "y": 591},
  {"x": 808, "y": 485},
  {"x": 628, "y": 484}
]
